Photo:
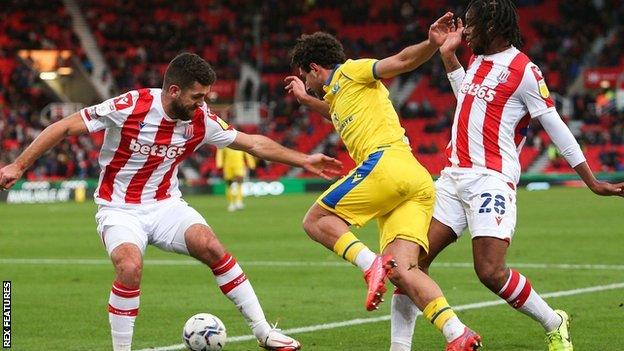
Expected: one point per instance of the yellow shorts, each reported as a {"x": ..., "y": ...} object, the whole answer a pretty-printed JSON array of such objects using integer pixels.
[
  {"x": 392, "y": 186},
  {"x": 229, "y": 173}
]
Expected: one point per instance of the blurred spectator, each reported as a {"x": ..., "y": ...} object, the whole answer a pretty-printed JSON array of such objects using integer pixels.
[
  {"x": 610, "y": 158},
  {"x": 139, "y": 41}
]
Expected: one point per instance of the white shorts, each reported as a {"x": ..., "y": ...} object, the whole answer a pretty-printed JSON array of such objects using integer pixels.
[
  {"x": 161, "y": 224},
  {"x": 484, "y": 203}
]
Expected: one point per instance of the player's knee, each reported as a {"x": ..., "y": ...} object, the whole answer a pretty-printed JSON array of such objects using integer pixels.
[
  {"x": 209, "y": 243},
  {"x": 397, "y": 276},
  {"x": 310, "y": 226},
  {"x": 491, "y": 276},
  {"x": 129, "y": 272},
  {"x": 203, "y": 244}
]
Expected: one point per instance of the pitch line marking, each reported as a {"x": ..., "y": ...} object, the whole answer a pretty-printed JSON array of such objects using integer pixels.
[
  {"x": 165, "y": 262},
  {"x": 359, "y": 321}
]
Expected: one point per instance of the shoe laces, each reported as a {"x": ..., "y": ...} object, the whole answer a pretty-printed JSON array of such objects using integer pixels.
[
  {"x": 554, "y": 337},
  {"x": 274, "y": 327}
]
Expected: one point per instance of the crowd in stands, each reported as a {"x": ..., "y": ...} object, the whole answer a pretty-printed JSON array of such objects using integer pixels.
[
  {"x": 138, "y": 38},
  {"x": 25, "y": 25}
]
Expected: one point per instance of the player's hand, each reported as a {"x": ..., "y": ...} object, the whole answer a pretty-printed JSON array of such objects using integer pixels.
[
  {"x": 453, "y": 38},
  {"x": 440, "y": 29},
  {"x": 323, "y": 166},
  {"x": 295, "y": 86},
  {"x": 9, "y": 175},
  {"x": 607, "y": 189}
]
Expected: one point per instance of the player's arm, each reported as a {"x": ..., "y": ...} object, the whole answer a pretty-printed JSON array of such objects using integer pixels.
[
  {"x": 569, "y": 148},
  {"x": 295, "y": 86},
  {"x": 265, "y": 148},
  {"x": 413, "y": 56},
  {"x": 49, "y": 137},
  {"x": 455, "y": 71}
]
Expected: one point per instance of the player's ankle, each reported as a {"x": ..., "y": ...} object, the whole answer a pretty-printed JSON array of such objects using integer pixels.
[{"x": 261, "y": 330}]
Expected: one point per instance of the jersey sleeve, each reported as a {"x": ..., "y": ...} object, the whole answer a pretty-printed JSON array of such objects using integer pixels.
[
  {"x": 110, "y": 113},
  {"x": 218, "y": 132},
  {"x": 456, "y": 78},
  {"x": 534, "y": 92},
  {"x": 361, "y": 71}
]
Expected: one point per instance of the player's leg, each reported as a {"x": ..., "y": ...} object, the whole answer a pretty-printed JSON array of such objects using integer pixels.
[
  {"x": 403, "y": 311},
  {"x": 332, "y": 231},
  {"x": 512, "y": 286},
  {"x": 238, "y": 192},
  {"x": 229, "y": 195},
  {"x": 185, "y": 231},
  {"x": 123, "y": 301},
  {"x": 125, "y": 240},
  {"x": 404, "y": 237},
  {"x": 354, "y": 200},
  {"x": 492, "y": 220},
  {"x": 448, "y": 209}
]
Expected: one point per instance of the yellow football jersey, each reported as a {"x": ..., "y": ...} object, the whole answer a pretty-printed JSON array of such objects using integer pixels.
[
  {"x": 361, "y": 110},
  {"x": 234, "y": 162}
]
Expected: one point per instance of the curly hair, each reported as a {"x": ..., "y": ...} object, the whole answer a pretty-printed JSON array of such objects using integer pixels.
[
  {"x": 495, "y": 18},
  {"x": 187, "y": 68},
  {"x": 320, "y": 48}
]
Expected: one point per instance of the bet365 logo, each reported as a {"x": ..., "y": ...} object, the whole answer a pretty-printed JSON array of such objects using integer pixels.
[
  {"x": 168, "y": 151},
  {"x": 480, "y": 91}
]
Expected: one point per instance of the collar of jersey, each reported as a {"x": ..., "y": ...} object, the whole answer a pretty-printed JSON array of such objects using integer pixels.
[
  {"x": 159, "y": 106},
  {"x": 331, "y": 76},
  {"x": 510, "y": 49},
  {"x": 161, "y": 110}
]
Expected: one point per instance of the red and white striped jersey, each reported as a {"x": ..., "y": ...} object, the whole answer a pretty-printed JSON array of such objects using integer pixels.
[
  {"x": 496, "y": 98},
  {"x": 143, "y": 147}
]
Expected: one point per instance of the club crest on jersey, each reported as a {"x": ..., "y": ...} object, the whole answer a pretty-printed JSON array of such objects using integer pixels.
[
  {"x": 188, "y": 131},
  {"x": 335, "y": 88},
  {"x": 123, "y": 102},
  {"x": 503, "y": 76},
  {"x": 141, "y": 125}
]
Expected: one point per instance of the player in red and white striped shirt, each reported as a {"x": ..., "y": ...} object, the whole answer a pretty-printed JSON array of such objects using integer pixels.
[
  {"x": 496, "y": 97},
  {"x": 149, "y": 132}
]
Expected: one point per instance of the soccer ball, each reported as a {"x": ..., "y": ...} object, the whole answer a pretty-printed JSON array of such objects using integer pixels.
[{"x": 204, "y": 332}]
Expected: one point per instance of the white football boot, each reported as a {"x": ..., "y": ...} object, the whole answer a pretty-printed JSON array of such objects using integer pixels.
[{"x": 277, "y": 341}]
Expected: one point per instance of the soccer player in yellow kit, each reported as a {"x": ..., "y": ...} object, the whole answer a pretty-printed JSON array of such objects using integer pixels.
[
  {"x": 388, "y": 183},
  {"x": 234, "y": 164}
]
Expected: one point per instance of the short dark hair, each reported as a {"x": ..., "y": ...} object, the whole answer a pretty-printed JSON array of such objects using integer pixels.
[
  {"x": 500, "y": 16},
  {"x": 320, "y": 48},
  {"x": 187, "y": 68}
]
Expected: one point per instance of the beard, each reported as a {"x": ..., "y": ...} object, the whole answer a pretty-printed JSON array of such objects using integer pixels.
[
  {"x": 311, "y": 92},
  {"x": 181, "y": 112},
  {"x": 478, "y": 50}
]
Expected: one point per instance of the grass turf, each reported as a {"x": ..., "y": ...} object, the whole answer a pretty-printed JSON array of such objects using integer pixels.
[{"x": 62, "y": 305}]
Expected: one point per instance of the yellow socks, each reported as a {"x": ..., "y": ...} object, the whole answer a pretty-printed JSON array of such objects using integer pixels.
[
  {"x": 438, "y": 312},
  {"x": 353, "y": 250}
]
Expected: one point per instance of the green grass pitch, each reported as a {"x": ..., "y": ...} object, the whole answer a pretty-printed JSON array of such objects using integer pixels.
[{"x": 61, "y": 304}]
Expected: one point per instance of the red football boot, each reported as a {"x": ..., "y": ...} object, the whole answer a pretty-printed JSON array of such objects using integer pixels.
[
  {"x": 375, "y": 277},
  {"x": 468, "y": 341}
]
